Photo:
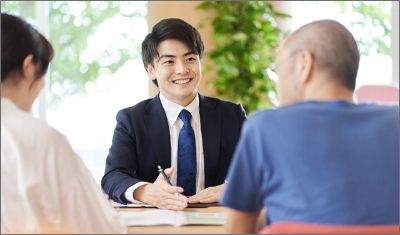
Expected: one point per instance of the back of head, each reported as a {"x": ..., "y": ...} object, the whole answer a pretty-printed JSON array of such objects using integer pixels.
[
  {"x": 333, "y": 47},
  {"x": 18, "y": 40},
  {"x": 171, "y": 28}
]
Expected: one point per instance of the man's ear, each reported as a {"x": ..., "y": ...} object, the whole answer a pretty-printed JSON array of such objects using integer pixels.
[
  {"x": 28, "y": 68},
  {"x": 150, "y": 70},
  {"x": 306, "y": 62}
]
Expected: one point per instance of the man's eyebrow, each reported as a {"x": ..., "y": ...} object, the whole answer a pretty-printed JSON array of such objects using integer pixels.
[
  {"x": 189, "y": 53},
  {"x": 173, "y": 56},
  {"x": 167, "y": 56}
]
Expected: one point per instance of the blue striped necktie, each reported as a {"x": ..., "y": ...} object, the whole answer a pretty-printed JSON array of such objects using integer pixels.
[{"x": 186, "y": 156}]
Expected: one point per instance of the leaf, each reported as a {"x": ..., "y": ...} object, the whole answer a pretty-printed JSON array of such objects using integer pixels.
[
  {"x": 73, "y": 25},
  {"x": 244, "y": 33}
]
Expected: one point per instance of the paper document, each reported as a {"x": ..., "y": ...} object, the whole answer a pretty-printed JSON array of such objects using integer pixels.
[
  {"x": 174, "y": 218},
  {"x": 116, "y": 204},
  {"x": 190, "y": 205}
]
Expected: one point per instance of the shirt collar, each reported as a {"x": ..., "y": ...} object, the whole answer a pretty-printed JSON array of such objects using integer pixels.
[{"x": 172, "y": 109}]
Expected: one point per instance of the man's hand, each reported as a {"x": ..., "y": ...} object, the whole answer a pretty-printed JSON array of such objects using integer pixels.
[
  {"x": 208, "y": 195},
  {"x": 160, "y": 194}
]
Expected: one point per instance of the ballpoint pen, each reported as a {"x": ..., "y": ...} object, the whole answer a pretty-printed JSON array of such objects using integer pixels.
[{"x": 166, "y": 178}]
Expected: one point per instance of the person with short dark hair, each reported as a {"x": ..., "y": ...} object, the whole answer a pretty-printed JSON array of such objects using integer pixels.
[
  {"x": 318, "y": 157},
  {"x": 147, "y": 134},
  {"x": 45, "y": 186}
]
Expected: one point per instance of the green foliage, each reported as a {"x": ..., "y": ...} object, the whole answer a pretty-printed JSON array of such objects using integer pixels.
[
  {"x": 25, "y": 9},
  {"x": 72, "y": 29},
  {"x": 371, "y": 23},
  {"x": 246, "y": 38}
]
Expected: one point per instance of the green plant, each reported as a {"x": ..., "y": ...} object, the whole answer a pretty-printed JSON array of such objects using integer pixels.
[
  {"x": 246, "y": 38},
  {"x": 372, "y": 22},
  {"x": 82, "y": 53}
]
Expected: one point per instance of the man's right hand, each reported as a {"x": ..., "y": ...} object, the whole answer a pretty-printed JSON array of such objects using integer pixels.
[{"x": 160, "y": 194}]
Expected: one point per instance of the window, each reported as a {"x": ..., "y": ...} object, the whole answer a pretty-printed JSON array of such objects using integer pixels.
[
  {"x": 375, "y": 68},
  {"x": 97, "y": 69}
]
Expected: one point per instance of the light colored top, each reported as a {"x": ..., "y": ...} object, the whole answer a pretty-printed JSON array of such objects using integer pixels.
[
  {"x": 175, "y": 124},
  {"x": 45, "y": 186}
]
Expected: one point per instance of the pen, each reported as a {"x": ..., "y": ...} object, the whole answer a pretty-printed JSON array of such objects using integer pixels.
[{"x": 166, "y": 178}]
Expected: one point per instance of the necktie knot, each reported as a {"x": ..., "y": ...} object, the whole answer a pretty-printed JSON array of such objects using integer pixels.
[{"x": 185, "y": 116}]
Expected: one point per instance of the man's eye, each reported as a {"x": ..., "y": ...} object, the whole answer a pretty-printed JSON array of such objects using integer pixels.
[
  {"x": 168, "y": 62},
  {"x": 191, "y": 59}
]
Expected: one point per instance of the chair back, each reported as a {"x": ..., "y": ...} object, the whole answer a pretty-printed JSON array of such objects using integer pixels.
[
  {"x": 288, "y": 227},
  {"x": 383, "y": 94}
]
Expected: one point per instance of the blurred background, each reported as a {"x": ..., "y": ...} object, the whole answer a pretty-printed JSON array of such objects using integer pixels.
[{"x": 98, "y": 69}]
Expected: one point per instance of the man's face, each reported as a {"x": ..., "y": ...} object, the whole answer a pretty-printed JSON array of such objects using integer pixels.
[
  {"x": 177, "y": 70},
  {"x": 287, "y": 87}
]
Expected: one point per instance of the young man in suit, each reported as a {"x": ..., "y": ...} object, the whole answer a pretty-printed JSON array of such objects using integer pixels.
[{"x": 147, "y": 134}]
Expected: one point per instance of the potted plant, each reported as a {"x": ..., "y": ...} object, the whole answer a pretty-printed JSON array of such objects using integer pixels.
[{"x": 246, "y": 38}]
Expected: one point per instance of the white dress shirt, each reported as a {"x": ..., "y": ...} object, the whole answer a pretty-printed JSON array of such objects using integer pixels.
[
  {"x": 45, "y": 186},
  {"x": 175, "y": 124}
]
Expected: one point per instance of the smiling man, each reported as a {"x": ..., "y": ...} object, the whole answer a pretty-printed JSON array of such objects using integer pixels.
[{"x": 148, "y": 134}]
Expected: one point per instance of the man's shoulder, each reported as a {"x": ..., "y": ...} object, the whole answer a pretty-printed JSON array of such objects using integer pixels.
[
  {"x": 218, "y": 101},
  {"x": 384, "y": 108},
  {"x": 310, "y": 109},
  {"x": 215, "y": 99},
  {"x": 275, "y": 115},
  {"x": 138, "y": 106}
]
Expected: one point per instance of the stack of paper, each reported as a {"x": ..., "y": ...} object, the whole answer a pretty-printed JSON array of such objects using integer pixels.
[{"x": 174, "y": 218}]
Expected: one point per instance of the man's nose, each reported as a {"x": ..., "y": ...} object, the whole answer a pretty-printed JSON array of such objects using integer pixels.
[{"x": 181, "y": 68}]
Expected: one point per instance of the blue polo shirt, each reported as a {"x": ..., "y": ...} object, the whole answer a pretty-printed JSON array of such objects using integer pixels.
[{"x": 324, "y": 162}]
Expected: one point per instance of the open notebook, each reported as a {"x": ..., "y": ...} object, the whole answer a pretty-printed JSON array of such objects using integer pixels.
[
  {"x": 174, "y": 218},
  {"x": 190, "y": 205}
]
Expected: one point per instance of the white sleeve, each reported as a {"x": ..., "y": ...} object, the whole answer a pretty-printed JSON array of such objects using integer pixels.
[
  {"x": 129, "y": 192},
  {"x": 84, "y": 207}
]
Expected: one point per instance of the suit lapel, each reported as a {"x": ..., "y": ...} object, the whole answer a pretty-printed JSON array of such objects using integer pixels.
[
  {"x": 157, "y": 126},
  {"x": 210, "y": 118}
]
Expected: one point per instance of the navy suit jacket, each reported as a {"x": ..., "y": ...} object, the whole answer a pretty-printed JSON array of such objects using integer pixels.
[{"x": 141, "y": 141}]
